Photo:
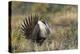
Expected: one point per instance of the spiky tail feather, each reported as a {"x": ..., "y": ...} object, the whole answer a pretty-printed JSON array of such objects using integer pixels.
[{"x": 28, "y": 25}]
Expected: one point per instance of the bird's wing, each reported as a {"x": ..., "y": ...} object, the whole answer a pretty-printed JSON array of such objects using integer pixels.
[
  {"x": 36, "y": 32},
  {"x": 28, "y": 25}
]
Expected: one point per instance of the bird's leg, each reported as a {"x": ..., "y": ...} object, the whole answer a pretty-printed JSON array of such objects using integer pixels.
[{"x": 41, "y": 41}]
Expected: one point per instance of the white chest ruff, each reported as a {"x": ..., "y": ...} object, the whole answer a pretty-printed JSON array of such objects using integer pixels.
[{"x": 42, "y": 28}]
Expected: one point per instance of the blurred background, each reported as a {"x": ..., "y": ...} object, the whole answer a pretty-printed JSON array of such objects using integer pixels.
[{"x": 62, "y": 19}]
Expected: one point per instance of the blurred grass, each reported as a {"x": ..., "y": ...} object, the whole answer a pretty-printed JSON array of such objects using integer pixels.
[{"x": 63, "y": 22}]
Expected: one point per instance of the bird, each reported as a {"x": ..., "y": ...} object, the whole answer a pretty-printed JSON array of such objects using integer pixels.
[{"x": 35, "y": 29}]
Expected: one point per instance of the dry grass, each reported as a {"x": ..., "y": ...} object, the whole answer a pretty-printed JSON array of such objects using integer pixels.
[{"x": 62, "y": 37}]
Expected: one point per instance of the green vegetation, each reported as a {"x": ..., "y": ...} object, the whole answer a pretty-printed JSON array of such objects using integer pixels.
[{"x": 62, "y": 19}]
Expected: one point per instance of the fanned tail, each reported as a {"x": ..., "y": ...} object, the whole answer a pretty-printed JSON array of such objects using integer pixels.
[{"x": 28, "y": 25}]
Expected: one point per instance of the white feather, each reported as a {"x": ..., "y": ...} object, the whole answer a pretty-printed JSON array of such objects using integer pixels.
[{"x": 42, "y": 28}]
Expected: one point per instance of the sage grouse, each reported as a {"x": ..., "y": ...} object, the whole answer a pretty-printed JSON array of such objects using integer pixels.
[{"x": 35, "y": 29}]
